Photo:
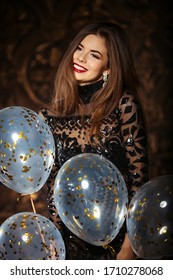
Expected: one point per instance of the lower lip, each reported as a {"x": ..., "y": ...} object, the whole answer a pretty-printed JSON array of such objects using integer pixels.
[{"x": 79, "y": 71}]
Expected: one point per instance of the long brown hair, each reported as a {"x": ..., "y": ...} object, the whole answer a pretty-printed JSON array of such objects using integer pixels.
[{"x": 122, "y": 76}]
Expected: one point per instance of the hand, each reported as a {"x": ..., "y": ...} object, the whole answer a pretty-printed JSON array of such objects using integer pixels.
[{"x": 126, "y": 252}]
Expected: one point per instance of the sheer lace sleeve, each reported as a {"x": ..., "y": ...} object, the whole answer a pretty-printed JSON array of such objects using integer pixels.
[
  {"x": 53, "y": 212},
  {"x": 135, "y": 141}
]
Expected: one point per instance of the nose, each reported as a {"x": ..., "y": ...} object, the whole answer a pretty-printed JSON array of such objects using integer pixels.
[{"x": 82, "y": 57}]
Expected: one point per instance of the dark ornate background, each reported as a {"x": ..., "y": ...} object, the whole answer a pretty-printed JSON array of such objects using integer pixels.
[{"x": 33, "y": 36}]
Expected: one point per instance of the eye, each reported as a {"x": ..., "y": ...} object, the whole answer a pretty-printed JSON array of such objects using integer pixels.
[
  {"x": 79, "y": 48},
  {"x": 95, "y": 56}
]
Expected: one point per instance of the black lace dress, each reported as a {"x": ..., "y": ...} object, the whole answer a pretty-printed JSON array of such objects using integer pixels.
[{"x": 123, "y": 142}]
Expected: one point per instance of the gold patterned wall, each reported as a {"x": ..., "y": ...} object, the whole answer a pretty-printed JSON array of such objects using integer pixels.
[{"x": 33, "y": 36}]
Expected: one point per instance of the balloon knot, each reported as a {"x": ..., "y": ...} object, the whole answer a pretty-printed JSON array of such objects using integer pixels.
[{"x": 111, "y": 249}]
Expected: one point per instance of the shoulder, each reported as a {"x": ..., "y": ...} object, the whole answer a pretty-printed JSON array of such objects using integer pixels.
[
  {"x": 129, "y": 104},
  {"x": 130, "y": 107},
  {"x": 49, "y": 118},
  {"x": 45, "y": 113},
  {"x": 128, "y": 99},
  {"x": 42, "y": 112}
]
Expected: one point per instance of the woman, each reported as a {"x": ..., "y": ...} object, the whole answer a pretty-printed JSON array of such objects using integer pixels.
[{"x": 95, "y": 110}]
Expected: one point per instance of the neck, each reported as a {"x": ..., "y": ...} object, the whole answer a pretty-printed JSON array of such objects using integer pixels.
[{"x": 87, "y": 91}]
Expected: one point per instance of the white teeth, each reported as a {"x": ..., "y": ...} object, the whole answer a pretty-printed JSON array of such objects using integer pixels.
[{"x": 79, "y": 67}]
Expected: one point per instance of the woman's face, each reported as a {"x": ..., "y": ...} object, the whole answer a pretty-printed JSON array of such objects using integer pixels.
[{"x": 90, "y": 60}]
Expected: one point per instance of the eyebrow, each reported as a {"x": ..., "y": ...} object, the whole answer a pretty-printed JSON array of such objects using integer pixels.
[{"x": 95, "y": 51}]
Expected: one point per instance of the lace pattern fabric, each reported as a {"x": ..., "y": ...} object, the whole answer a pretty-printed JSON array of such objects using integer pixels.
[{"x": 122, "y": 141}]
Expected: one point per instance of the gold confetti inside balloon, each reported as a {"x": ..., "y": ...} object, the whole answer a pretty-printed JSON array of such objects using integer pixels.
[
  {"x": 30, "y": 236},
  {"x": 150, "y": 219},
  {"x": 91, "y": 197},
  {"x": 27, "y": 149}
]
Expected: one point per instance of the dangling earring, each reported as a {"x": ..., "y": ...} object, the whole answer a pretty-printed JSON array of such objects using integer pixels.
[{"x": 105, "y": 79}]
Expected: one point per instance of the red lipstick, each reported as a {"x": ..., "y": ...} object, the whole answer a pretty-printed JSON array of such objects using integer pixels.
[{"x": 79, "y": 69}]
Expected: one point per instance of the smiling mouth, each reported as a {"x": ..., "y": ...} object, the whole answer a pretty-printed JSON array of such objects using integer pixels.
[{"x": 79, "y": 69}]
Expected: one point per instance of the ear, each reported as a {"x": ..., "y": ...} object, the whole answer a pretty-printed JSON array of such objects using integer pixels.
[{"x": 106, "y": 72}]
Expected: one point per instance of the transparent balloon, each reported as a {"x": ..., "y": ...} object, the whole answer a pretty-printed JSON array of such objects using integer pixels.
[
  {"x": 27, "y": 149},
  {"x": 91, "y": 198},
  {"x": 150, "y": 219},
  {"x": 30, "y": 236}
]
